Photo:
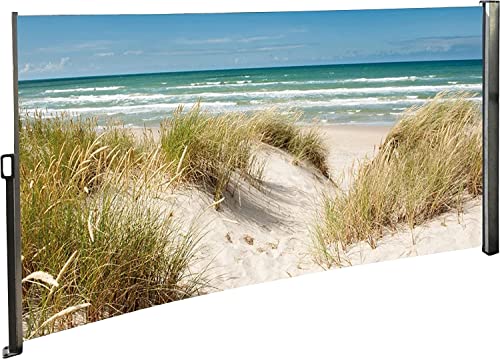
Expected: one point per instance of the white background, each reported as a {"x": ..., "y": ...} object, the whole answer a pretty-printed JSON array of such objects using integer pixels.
[{"x": 439, "y": 306}]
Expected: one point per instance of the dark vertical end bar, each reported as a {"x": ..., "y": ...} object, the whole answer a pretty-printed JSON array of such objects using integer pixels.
[
  {"x": 14, "y": 267},
  {"x": 490, "y": 126}
]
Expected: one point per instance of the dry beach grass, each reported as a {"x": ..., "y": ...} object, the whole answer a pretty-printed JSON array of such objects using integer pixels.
[
  {"x": 89, "y": 218},
  {"x": 111, "y": 217},
  {"x": 430, "y": 163},
  {"x": 214, "y": 149},
  {"x": 96, "y": 242}
]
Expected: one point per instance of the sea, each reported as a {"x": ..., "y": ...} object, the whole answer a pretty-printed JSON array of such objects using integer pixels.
[{"x": 368, "y": 94}]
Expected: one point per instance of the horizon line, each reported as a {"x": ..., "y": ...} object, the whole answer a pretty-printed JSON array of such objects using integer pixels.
[{"x": 233, "y": 68}]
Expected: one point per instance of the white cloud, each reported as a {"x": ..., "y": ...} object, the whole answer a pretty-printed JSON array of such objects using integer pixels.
[
  {"x": 280, "y": 59},
  {"x": 133, "y": 52},
  {"x": 242, "y": 50},
  {"x": 221, "y": 40},
  {"x": 277, "y": 48},
  {"x": 436, "y": 44},
  {"x": 299, "y": 30},
  {"x": 439, "y": 46},
  {"x": 26, "y": 69},
  {"x": 97, "y": 45},
  {"x": 104, "y": 54},
  {"x": 45, "y": 67},
  {"x": 93, "y": 45},
  {"x": 259, "y": 38},
  {"x": 226, "y": 40}
]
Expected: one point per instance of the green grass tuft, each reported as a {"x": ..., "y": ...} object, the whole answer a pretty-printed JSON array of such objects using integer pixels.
[
  {"x": 91, "y": 220},
  {"x": 430, "y": 163},
  {"x": 283, "y": 132},
  {"x": 210, "y": 150}
]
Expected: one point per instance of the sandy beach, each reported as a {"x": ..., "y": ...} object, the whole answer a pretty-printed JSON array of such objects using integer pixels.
[
  {"x": 207, "y": 202},
  {"x": 267, "y": 234}
]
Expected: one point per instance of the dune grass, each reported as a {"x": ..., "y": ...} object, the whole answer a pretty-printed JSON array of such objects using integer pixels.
[
  {"x": 210, "y": 150},
  {"x": 430, "y": 163},
  {"x": 282, "y": 131},
  {"x": 97, "y": 240},
  {"x": 215, "y": 149},
  {"x": 47, "y": 138}
]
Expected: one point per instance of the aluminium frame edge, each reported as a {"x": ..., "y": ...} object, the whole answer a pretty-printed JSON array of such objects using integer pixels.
[
  {"x": 14, "y": 267},
  {"x": 490, "y": 126}
]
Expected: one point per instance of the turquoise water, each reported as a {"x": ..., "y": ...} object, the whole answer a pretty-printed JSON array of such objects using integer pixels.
[{"x": 360, "y": 93}]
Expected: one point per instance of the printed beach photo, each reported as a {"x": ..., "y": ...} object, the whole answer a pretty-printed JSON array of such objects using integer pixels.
[{"x": 164, "y": 157}]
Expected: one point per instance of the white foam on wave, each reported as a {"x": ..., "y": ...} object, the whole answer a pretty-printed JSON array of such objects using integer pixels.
[
  {"x": 99, "y": 98},
  {"x": 385, "y": 79},
  {"x": 85, "y": 89},
  {"x": 258, "y": 100},
  {"x": 130, "y": 99},
  {"x": 208, "y": 83},
  {"x": 335, "y": 91},
  {"x": 151, "y": 110},
  {"x": 198, "y": 85},
  {"x": 309, "y": 82},
  {"x": 134, "y": 109},
  {"x": 367, "y": 102},
  {"x": 254, "y": 95},
  {"x": 370, "y": 102}
]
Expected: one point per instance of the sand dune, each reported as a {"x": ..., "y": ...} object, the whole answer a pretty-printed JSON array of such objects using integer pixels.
[
  {"x": 259, "y": 234},
  {"x": 265, "y": 234}
]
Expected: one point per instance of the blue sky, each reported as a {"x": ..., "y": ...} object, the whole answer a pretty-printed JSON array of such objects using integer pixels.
[{"x": 73, "y": 46}]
